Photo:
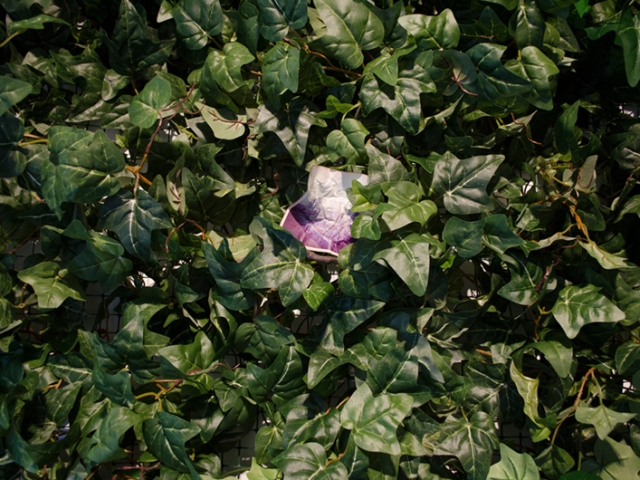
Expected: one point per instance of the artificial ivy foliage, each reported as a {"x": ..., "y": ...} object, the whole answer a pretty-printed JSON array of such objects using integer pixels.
[{"x": 494, "y": 283}]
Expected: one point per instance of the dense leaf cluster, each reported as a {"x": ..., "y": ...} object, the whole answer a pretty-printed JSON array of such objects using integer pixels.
[{"x": 494, "y": 283}]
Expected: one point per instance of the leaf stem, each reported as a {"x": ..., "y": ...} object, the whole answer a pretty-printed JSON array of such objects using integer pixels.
[
  {"x": 591, "y": 372},
  {"x": 11, "y": 37},
  {"x": 32, "y": 142}
]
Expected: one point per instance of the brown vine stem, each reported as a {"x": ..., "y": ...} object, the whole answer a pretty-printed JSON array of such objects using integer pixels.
[
  {"x": 590, "y": 372},
  {"x": 526, "y": 130}
]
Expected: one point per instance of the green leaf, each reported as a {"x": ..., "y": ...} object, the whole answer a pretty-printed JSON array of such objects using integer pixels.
[
  {"x": 409, "y": 257},
  {"x": 629, "y": 35},
  {"x": 374, "y": 420},
  {"x": 438, "y": 32},
  {"x": 291, "y": 125},
  {"x": 558, "y": 355},
  {"x": 281, "y": 268},
  {"x": 566, "y": 141},
  {"x": 465, "y": 236},
  {"x": 577, "y": 307},
  {"x": 12, "y": 160},
  {"x": 12, "y": 91},
  {"x": 498, "y": 235},
  {"x": 463, "y": 183},
  {"x": 537, "y": 68},
  {"x": 385, "y": 168},
  {"x": 197, "y": 21},
  {"x": 513, "y": 466},
  {"x": 155, "y": 95},
  {"x": 627, "y": 355},
  {"x": 528, "y": 390},
  {"x": 350, "y": 28},
  {"x": 613, "y": 461},
  {"x": 52, "y": 284},
  {"x": 133, "y": 46},
  {"x": 165, "y": 436},
  {"x": 116, "y": 388},
  {"x": 263, "y": 338},
  {"x": 318, "y": 292},
  {"x": 226, "y": 66},
  {"x": 404, "y": 207},
  {"x": 309, "y": 461},
  {"x": 527, "y": 25},
  {"x": 190, "y": 357},
  {"x": 280, "y": 382},
  {"x": 554, "y": 461},
  {"x": 110, "y": 430},
  {"x": 607, "y": 260},
  {"x": 34, "y": 23},
  {"x": 60, "y": 401},
  {"x": 346, "y": 314},
  {"x": 277, "y": 17},
  {"x": 280, "y": 71},
  {"x": 133, "y": 219},
  {"x": 227, "y": 274},
  {"x": 471, "y": 440},
  {"x": 602, "y": 418}
]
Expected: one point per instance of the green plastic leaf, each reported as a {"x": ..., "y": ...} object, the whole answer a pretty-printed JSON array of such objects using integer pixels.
[
  {"x": 143, "y": 110},
  {"x": 404, "y": 206},
  {"x": 471, "y": 440},
  {"x": 12, "y": 91},
  {"x": 12, "y": 160},
  {"x": 197, "y": 21},
  {"x": 280, "y": 71},
  {"x": 190, "y": 357},
  {"x": 35, "y": 23},
  {"x": 577, "y": 307},
  {"x": 291, "y": 125},
  {"x": 133, "y": 219},
  {"x": 537, "y": 68},
  {"x": 318, "y": 292},
  {"x": 165, "y": 436},
  {"x": 629, "y": 35},
  {"x": 409, "y": 258},
  {"x": 309, "y": 460},
  {"x": 513, "y": 466},
  {"x": 438, "y": 32},
  {"x": 465, "y": 236},
  {"x": 374, "y": 420},
  {"x": 602, "y": 418},
  {"x": 276, "y": 17},
  {"x": 607, "y": 260},
  {"x": 558, "y": 355},
  {"x": 627, "y": 355},
  {"x": 613, "y": 461},
  {"x": 463, "y": 183},
  {"x": 527, "y": 25},
  {"x": 60, "y": 401},
  {"x": 385, "y": 168},
  {"x": 107, "y": 437},
  {"x": 134, "y": 46},
  {"x": 52, "y": 284},
  {"x": 263, "y": 338},
  {"x": 350, "y": 28}
]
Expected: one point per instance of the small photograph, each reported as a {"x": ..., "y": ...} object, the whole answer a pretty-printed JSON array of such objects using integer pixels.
[{"x": 322, "y": 218}]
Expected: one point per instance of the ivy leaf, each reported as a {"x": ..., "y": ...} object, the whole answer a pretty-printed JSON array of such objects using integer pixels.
[
  {"x": 196, "y": 21},
  {"x": 190, "y": 357},
  {"x": 463, "y": 183},
  {"x": 346, "y": 314},
  {"x": 513, "y": 466},
  {"x": 350, "y": 28},
  {"x": 280, "y": 267},
  {"x": 263, "y": 338},
  {"x": 385, "y": 168},
  {"x": 226, "y": 65},
  {"x": 318, "y": 292},
  {"x": 101, "y": 261},
  {"x": 577, "y": 307},
  {"x": 537, "y": 68},
  {"x": 558, "y": 355},
  {"x": 52, "y": 284},
  {"x": 374, "y": 420},
  {"x": 607, "y": 260},
  {"x": 280, "y": 71},
  {"x": 612, "y": 461},
  {"x": 404, "y": 207},
  {"x": 12, "y": 160},
  {"x": 527, "y": 25},
  {"x": 409, "y": 258},
  {"x": 34, "y": 23},
  {"x": 227, "y": 275},
  {"x": 279, "y": 383},
  {"x": 627, "y": 355},
  {"x": 291, "y": 125},
  {"x": 133, "y": 48},
  {"x": 430, "y": 33},
  {"x": 60, "y": 401},
  {"x": 471, "y": 440},
  {"x": 165, "y": 436},
  {"x": 107, "y": 437},
  {"x": 309, "y": 460},
  {"x": 629, "y": 35},
  {"x": 133, "y": 219},
  {"x": 12, "y": 91},
  {"x": 277, "y": 17},
  {"x": 602, "y": 418},
  {"x": 143, "y": 110},
  {"x": 465, "y": 236}
]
